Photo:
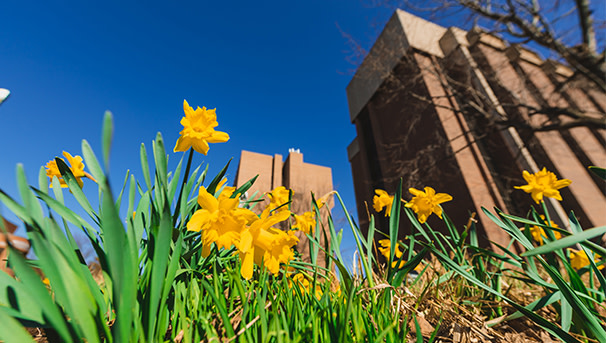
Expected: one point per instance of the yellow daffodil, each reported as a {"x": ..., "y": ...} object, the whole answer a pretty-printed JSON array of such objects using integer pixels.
[
  {"x": 543, "y": 184},
  {"x": 305, "y": 222},
  {"x": 382, "y": 200},
  {"x": 199, "y": 130},
  {"x": 220, "y": 220},
  {"x": 538, "y": 232},
  {"x": 426, "y": 203},
  {"x": 278, "y": 197},
  {"x": 579, "y": 259},
  {"x": 227, "y": 193},
  {"x": 384, "y": 249},
  {"x": 303, "y": 283},
  {"x": 263, "y": 245},
  {"x": 75, "y": 165}
]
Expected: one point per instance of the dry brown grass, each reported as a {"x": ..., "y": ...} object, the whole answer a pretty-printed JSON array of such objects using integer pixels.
[{"x": 464, "y": 317}]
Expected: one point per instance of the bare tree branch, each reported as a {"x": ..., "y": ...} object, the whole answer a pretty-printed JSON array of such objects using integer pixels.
[
  {"x": 586, "y": 22},
  {"x": 586, "y": 61}
]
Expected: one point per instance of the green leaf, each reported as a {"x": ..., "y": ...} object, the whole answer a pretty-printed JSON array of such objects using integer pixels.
[
  {"x": 219, "y": 306},
  {"x": 76, "y": 190},
  {"x": 43, "y": 180},
  {"x": 92, "y": 162},
  {"x": 34, "y": 286},
  {"x": 106, "y": 136},
  {"x": 242, "y": 189},
  {"x": 73, "y": 294},
  {"x": 29, "y": 200},
  {"x": 15, "y": 207},
  {"x": 174, "y": 182},
  {"x": 335, "y": 239},
  {"x": 566, "y": 241},
  {"x": 121, "y": 270},
  {"x": 589, "y": 319},
  {"x": 145, "y": 166},
  {"x": 159, "y": 242},
  {"x": 58, "y": 191},
  {"x": 576, "y": 227},
  {"x": 183, "y": 207},
  {"x": 601, "y": 172},
  {"x": 538, "y": 304},
  {"x": 394, "y": 222},
  {"x": 370, "y": 239},
  {"x": 22, "y": 302},
  {"x": 356, "y": 233},
  {"x": 11, "y": 330},
  {"x": 63, "y": 211},
  {"x": 409, "y": 266},
  {"x": 160, "y": 158},
  {"x": 418, "y": 329},
  {"x": 212, "y": 187},
  {"x": 119, "y": 200},
  {"x": 565, "y": 314},
  {"x": 509, "y": 227}
]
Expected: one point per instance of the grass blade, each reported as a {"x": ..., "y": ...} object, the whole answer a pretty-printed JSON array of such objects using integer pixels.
[
  {"x": 565, "y": 242},
  {"x": 106, "y": 136}
]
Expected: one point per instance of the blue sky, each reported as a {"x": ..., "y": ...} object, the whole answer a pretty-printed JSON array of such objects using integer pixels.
[{"x": 275, "y": 70}]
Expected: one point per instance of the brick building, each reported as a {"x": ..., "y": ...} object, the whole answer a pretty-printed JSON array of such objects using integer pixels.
[
  {"x": 405, "y": 101},
  {"x": 20, "y": 243},
  {"x": 301, "y": 177}
]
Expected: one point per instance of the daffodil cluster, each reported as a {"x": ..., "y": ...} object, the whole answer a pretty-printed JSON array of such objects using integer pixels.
[
  {"x": 222, "y": 222},
  {"x": 220, "y": 219},
  {"x": 424, "y": 203}
]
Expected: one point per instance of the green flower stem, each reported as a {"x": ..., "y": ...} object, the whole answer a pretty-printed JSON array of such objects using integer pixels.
[
  {"x": 436, "y": 239},
  {"x": 185, "y": 176},
  {"x": 546, "y": 212},
  {"x": 365, "y": 265}
]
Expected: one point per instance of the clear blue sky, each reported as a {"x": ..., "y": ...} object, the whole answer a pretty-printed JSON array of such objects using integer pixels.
[{"x": 275, "y": 70}]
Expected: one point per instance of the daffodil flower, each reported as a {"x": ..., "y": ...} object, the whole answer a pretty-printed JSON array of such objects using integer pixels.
[
  {"x": 543, "y": 184},
  {"x": 278, "y": 197},
  {"x": 199, "y": 130},
  {"x": 579, "y": 259},
  {"x": 382, "y": 200},
  {"x": 426, "y": 203},
  {"x": 220, "y": 220},
  {"x": 301, "y": 281},
  {"x": 266, "y": 246},
  {"x": 75, "y": 165},
  {"x": 305, "y": 222},
  {"x": 385, "y": 249},
  {"x": 538, "y": 232}
]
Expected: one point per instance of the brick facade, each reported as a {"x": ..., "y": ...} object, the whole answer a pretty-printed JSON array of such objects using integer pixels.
[{"x": 410, "y": 125}]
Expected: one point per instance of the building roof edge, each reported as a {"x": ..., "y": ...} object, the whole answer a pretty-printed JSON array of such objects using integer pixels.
[{"x": 402, "y": 32}]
